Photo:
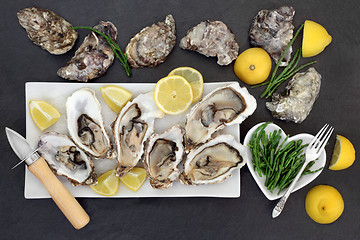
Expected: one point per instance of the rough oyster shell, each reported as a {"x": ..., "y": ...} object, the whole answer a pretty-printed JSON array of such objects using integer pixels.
[
  {"x": 152, "y": 45},
  {"x": 163, "y": 152},
  {"x": 272, "y": 30},
  {"x": 301, "y": 93},
  {"x": 212, "y": 39},
  {"x": 93, "y": 57},
  {"x": 86, "y": 125},
  {"x": 132, "y": 127},
  {"x": 213, "y": 161},
  {"x": 224, "y": 106},
  {"x": 47, "y": 30},
  {"x": 65, "y": 159}
]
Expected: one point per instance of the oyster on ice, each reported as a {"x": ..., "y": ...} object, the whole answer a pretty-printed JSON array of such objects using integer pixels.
[
  {"x": 47, "y": 29},
  {"x": 272, "y": 30},
  {"x": 212, "y": 39},
  {"x": 301, "y": 93},
  {"x": 65, "y": 159},
  {"x": 132, "y": 127},
  {"x": 224, "y": 106},
  {"x": 163, "y": 152},
  {"x": 152, "y": 45},
  {"x": 86, "y": 124},
  {"x": 93, "y": 57},
  {"x": 213, "y": 161}
]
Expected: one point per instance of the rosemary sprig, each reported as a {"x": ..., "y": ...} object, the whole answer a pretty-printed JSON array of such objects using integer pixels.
[{"x": 114, "y": 47}]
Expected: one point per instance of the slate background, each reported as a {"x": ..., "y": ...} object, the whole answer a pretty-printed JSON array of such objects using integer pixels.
[{"x": 247, "y": 217}]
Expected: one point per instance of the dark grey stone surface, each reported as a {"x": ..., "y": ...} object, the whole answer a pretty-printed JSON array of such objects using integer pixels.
[{"x": 247, "y": 217}]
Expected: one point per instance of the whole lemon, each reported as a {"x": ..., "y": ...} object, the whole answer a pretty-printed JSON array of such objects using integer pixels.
[
  {"x": 324, "y": 204},
  {"x": 315, "y": 39},
  {"x": 253, "y": 66}
]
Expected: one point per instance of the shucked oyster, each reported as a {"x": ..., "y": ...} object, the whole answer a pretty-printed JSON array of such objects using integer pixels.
[
  {"x": 301, "y": 93},
  {"x": 65, "y": 159},
  {"x": 213, "y": 161},
  {"x": 93, "y": 57},
  {"x": 222, "y": 107},
  {"x": 86, "y": 124},
  {"x": 152, "y": 45},
  {"x": 163, "y": 152},
  {"x": 212, "y": 39},
  {"x": 47, "y": 29},
  {"x": 132, "y": 127},
  {"x": 272, "y": 30}
]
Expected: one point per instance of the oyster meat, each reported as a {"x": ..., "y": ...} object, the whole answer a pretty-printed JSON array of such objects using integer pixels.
[
  {"x": 163, "y": 152},
  {"x": 86, "y": 124},
  {"x": 224, "y": 106},
  {"x": 47, "y": 29},
  {"x": 65, "y": 159},
  {"x": 301, "y": 93},
  {"x": 272, "y": 30},
  {"x": 93, "y": 57},
  {"x": 212, "y": 39},
  {"x": 213, "y": 161},
  {"x": 132, "y": 127},
  {"x": 152, "y": 45}
]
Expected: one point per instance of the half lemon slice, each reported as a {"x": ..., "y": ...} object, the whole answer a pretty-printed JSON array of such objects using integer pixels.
[
  {"x": 43, "y": 114},
  {"x": 343, "y": 155}
]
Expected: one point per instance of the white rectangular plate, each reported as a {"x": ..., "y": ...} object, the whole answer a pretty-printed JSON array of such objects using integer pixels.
[{"x": 57, "y": 93}]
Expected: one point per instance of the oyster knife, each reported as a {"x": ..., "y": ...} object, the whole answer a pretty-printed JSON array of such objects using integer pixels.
[{"x": 58, "y": 192}]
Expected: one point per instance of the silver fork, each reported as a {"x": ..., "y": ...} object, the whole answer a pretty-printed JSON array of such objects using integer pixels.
[{"x": 312, "y": 152}]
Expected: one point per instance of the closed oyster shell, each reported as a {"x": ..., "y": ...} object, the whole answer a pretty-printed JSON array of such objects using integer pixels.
[
  {"x": 47, "y": 29},
  {"x": 65, "y": 159},
  {"x": 93, "y": 57},
  {"x": 301, "y": 93},
  {"x": 152, "y": 45},
  {"x": 212, "y": 39}
]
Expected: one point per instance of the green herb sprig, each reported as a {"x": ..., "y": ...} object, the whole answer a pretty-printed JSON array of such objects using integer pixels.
[{"x": 114, "y": 47}]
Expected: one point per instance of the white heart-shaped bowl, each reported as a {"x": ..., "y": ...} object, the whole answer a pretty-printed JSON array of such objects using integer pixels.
[{"x": 303, "y": 181}]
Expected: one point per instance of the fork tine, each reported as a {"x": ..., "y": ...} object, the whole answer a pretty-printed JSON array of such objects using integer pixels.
[
  {"x": 318, "y": 136},
  {"x": 326, "y": 139}
]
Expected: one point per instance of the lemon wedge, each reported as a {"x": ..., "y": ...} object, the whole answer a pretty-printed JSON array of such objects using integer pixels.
[
  {"x": 173, "y": 94},
  {"x": 115, "y": 97},
  {"x": 343, "y": 155},
  {"x": 134, "y": 179},
  {"x": 315, "y": 39},
  {"x": 108, "y": 184},
  {"x": 43, "y": 114},
  {"x": 194, "y": 77}
]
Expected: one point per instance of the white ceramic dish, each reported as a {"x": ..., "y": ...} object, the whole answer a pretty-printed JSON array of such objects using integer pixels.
[
  {"x": 303, "y": 181},
  {"x": 57, "y": 93}
]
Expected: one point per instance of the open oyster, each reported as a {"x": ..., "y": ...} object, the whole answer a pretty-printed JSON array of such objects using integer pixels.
[
  {"x": 224, "y": 106},
  {"x": 301, "y": 93},
  {"x": 163, "y": 152},
  {"x": 47, "y": 29},
  {"x": 65, "y": 159},
  {"x": 86, "y": 124},
  {"x": 132, "y": 127},
  {"x": 213, "y": 161},
  {"x": 93, "y": 57},
  {"x": 212, "y": 39},
  {"x": 152, "y": 45},
  {"x": 272, "y": 30}
]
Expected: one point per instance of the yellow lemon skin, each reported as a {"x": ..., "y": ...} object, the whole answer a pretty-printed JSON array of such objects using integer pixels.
[
  {"x": 343, "y": 155},
  {"x": 315, "y": 39},
  {"x": 324, "y": 204},
  {"x": 253, "y": 66}
]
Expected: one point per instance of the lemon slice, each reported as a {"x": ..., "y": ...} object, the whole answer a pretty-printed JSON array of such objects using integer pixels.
[
  {"x": 194, "y": 77},
  {"x": 108, "y": 184},
  {"x": 343, "y": 155},
  {"x": 115, "y": 97},
  {"x": 43, "y": 114},
  {"x": 134, "y": 179},
  {"x": 173, "y": 94}
]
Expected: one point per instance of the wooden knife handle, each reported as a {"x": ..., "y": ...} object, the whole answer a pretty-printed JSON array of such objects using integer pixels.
[{"x": 59, "y": 193}]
